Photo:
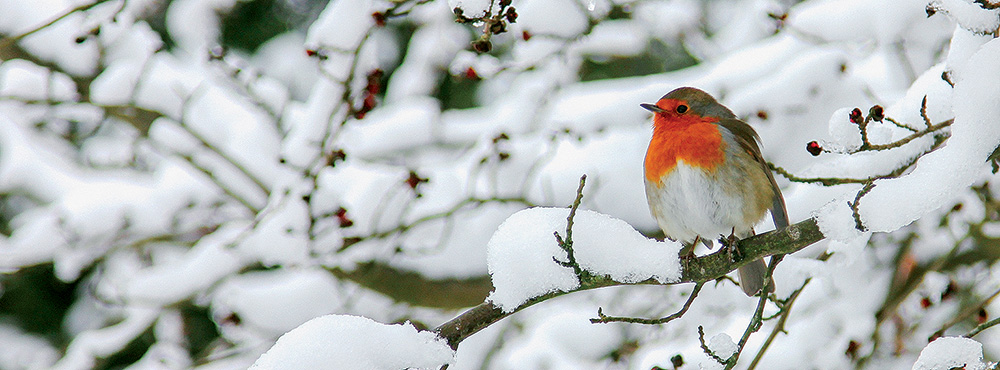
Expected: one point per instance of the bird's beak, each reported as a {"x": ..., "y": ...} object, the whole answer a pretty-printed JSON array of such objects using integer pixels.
[{"x": 652, "y": 108}]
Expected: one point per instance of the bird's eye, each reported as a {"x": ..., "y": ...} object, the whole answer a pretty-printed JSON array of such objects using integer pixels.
[{"x": 682, "y": 108}]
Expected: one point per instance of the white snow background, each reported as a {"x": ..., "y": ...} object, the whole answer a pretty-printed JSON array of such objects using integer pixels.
[{"x": 231, "y": 198}]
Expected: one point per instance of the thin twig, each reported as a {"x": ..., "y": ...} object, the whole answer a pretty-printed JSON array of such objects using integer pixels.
[
  {"x": 567, "y": 243},
  {"x": 854, "y": 205},
  {"x": 704, "y": 347},
  {"x": 923, "y": 112},
  {"x": 572, "y": 210},
  {"x": 183, "y": 123},
  {"x": 755, "y": 321},
  {"x": 969, "y": 311},
  {"x": 911, "y": 137},
  {"x": 983, "y": 326},
  {"x": 443, "y": 214},
  {"x": 900, "y": 125},
  {"x": 7, "y": 42},
  {"x": 786, "y": 309},
  {"x": 602, "y": 318}
]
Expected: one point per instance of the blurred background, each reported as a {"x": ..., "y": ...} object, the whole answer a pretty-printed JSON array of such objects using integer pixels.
[{"x": 183, "y": 181}]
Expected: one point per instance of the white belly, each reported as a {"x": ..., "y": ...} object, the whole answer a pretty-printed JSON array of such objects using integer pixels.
[{"x": 687, "y": 204}]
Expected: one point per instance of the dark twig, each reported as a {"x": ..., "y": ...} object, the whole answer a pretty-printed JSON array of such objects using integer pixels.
[
  {"x": 602, "y": 318},
  {"x": 698, "y": 269},
  {"x": 567, "y": 243},
  {"x": 831, "y": 181},
  {"x": 8, "y": 41},
  {"x": 704, "y": 347},
  {"x": 900, "y": 125},
  {"x": 983, "y": 326},
  {"x": 756, "y": 320},
  {"x": 854, "y": 205},
  {"x": 911, "y": 137},
  {"x": 923, "y": 113},
  {"x": 969, "y": 311},
  {"x": 786, "y": 309}
]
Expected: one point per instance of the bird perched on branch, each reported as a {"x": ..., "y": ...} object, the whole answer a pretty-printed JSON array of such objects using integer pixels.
[{"x": 706, "y": 178}]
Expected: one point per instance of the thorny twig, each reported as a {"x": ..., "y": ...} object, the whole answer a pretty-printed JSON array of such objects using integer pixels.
[
  {"x": 602, "y": 318},
  {"x": 567, "y": 243}
]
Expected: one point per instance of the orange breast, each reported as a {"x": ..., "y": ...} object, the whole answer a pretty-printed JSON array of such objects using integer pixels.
[{"x": 697, "y": 143}]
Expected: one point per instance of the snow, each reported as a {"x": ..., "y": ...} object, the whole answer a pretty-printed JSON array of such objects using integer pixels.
[
  {"x": 951, "y": 352},
  {"x": 836, "y": 219},
  {"x": 972, "y": 17},
  {"x": 146, "y": 226},
  {"x": 279, "y": 237},
  {"x": 23, "y": 350},
  {"x": 521, "y": 254},
  {"x": 194, "y": 24},
  {"x": 848, "y": 20},
  {"x": 19, "y": 79},
  {"x": 341, "y": 25},
  {"x": 472, "y": 8},
  {"x": 558, "y": 18},
  {"x": 345, "y": 342},
  {"x": 87, "y": 347},
  {"x": 894, "y": 203},
  {"x": 722, "y": 345},
  {"x": 406, "y": 125},
  {"x": 562, "y": 339},
  {"x": 270, "y": 303},
  {"x": 181, "y": 278}
]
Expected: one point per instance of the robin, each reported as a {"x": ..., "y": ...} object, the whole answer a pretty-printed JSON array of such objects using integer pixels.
[{"x": 706, "y": 178}]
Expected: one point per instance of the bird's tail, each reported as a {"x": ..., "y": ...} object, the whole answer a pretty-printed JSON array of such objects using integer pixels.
[{"x": 752, "y": 278}]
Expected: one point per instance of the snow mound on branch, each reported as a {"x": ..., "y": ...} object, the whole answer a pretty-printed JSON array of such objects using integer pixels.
[
  {"x": 950, "y": 353},
  {"x": 972, "y": 17},
  {"x": 895, "y": 203},
  {"x": 522, "y": 252},
  {"x": 345, "y": 342}
]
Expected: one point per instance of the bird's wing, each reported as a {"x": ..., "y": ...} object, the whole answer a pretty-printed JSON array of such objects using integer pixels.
[{"x": 748, "y": 138}]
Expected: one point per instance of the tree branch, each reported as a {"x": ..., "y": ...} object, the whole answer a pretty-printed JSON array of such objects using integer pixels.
[{"x": 695, "y": 270}]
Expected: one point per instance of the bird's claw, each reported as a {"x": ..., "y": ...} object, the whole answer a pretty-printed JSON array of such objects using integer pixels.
[{"x": 729, "y": 243}]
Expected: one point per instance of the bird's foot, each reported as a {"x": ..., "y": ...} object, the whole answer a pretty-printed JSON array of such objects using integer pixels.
[{"x": 729, "y": 243}]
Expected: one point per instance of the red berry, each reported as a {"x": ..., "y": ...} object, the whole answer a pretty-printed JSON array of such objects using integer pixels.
[
  {"x": 925, "y": 302},
  {"x": 852, "y": 349},
  {"x": 311, "y": 52},
  {"x": 877, "y": 113},
  {"x": 413, "y": 180},
  {"x": 856, "y": 116},
  {"x": 813, "y": 148},
  {"x": 379, "y": 19},
  {"x": 471, "y": 74},
  {"x": 341, "y": 215},
  {"x": 981, "y": 316},
  {"x": 511, "y": 15}
]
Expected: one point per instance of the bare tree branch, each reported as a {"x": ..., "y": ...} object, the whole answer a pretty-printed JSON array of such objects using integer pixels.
[{"x": 695, "y": 270}]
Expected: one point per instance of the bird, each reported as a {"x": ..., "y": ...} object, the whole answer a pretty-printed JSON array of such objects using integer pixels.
[{"x": 705, "y": 177}]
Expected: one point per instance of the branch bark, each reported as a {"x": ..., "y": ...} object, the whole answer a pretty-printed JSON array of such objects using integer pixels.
[{"x": 695, "y": 270}]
